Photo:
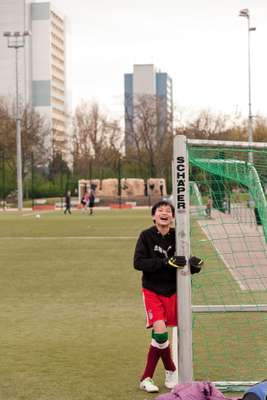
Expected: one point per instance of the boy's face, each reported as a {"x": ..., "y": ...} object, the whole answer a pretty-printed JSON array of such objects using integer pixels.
[{"x": 163, "y": 216}]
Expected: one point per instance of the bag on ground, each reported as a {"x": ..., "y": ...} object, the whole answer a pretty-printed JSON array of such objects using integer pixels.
[{"x": 193, "y": 391}]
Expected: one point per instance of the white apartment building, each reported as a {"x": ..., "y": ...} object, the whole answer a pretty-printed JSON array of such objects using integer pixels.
[{"x": 42, "y": 68}]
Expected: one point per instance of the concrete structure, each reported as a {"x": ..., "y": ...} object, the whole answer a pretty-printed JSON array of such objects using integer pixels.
[
  {"x": 130, "y": 187},
  {"x": 41, "y": 65},
  {"x": 156, "y": 86}
]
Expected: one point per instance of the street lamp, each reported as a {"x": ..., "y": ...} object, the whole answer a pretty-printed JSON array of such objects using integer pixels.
[
  {"x": 245, "y": 13},
  {"x": 15, "y": 40}
]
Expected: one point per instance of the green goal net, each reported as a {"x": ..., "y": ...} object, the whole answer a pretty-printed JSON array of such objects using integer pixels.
[
  {"x": 229, "y": 297},
  {"x": 229, "y": 169}
]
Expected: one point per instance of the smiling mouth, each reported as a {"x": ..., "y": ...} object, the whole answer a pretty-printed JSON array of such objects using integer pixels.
[{"x": 163, "y": 218}]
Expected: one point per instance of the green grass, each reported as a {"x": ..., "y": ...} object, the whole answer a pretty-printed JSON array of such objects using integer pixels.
[
  {"x": 225, "y": 345},
  {"x": 71, "y": 314}
]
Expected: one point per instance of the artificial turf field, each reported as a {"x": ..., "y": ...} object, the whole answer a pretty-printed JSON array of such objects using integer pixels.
[{"x": 71, "y": 313}]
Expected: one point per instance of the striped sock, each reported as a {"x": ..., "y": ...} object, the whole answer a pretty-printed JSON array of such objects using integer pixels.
[
  {"x": 152, "y": 360},
  {"x": 167, "y": 360}
]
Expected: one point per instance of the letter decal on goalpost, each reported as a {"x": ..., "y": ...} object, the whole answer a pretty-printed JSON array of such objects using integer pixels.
[{"x": 182, "y": 223}]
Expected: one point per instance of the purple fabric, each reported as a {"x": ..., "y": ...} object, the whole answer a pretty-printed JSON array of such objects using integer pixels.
[{"x": 193, "y": 391}]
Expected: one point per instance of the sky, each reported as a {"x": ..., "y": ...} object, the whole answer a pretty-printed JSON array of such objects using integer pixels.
[{"x": 201, "y": 44}]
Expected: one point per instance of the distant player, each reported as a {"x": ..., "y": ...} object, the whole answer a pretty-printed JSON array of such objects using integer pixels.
[
  {"x": 67, "y": 203},
  {"x": 208, "y": 207},
  {"x": 91, "y": 200},
  {"x": 154, "y": 256},
  {"x": 161, "y": 186},
  {"x": 85, "y": 201}
]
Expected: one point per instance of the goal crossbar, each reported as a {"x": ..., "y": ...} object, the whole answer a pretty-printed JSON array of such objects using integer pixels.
[{"x": 227, "y": 144}]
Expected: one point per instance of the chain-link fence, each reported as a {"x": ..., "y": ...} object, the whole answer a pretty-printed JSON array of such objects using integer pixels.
[{"x": 48, "y": 183}]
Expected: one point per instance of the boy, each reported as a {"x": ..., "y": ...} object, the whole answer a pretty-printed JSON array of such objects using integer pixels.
[{"x": 154, "y": 256}]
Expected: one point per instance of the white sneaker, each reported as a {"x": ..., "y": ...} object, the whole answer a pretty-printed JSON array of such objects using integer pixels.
[
  {"x": 148, "y": 386},
  {"x": 170, "y": 379}
]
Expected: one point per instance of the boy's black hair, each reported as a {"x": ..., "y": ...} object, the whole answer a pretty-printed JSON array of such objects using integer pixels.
[{"x": 162, "y": 203}]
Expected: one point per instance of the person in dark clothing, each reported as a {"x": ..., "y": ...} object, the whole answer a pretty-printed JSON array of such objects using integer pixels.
[
  {"x": 145, "y": 189},
  {"x": 161, "y": 187},
  {"x": 91, "y": 200},
  {"x": 155, "y": 257},
  {"x": 67, "y": 203},
  {"x": 257, "y": 216}
]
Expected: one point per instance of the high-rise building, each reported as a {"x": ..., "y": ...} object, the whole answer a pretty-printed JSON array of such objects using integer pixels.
[
  {"x": 41, "y": 65},
  {"x": 147, "y": 83}
]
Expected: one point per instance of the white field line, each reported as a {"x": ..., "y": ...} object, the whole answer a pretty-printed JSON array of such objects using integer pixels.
[
  {"x": 67, "y": 237},
  {"x": 33, "y": 213},
  {"x": 242, "y": 287},
  {"x": 59, "y": 211}
]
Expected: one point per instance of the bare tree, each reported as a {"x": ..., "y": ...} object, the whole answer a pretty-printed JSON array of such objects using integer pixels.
[
  {"x": 260, "y": 129},
  {"x": 97, "y": 139},
  {"x": 7, "y": 128},
  {"x": 34, "y": 131},
  {"x": 205, "y": 125},
  {"x": 149, "y": 134}
]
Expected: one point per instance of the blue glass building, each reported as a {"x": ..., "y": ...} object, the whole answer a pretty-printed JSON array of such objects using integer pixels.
[{"x": 145, "y": 80}]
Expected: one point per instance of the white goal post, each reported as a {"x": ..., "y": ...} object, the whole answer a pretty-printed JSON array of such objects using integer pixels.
[{"x": 182, "y": 224}]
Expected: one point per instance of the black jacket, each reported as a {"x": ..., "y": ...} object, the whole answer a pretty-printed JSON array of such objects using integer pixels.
[{"x": 151, "y": 252}]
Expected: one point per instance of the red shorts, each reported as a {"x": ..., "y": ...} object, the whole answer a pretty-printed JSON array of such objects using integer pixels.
[{"x": 160, "y": 307}]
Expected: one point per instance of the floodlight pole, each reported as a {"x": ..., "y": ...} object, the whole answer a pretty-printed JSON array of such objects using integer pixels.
[
  {"x": 245, "y": 13},
  {"x": 15, "y": 40}
]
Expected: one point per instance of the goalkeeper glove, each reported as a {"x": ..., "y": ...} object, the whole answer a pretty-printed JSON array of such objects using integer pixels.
[
  {"x": 176, "y": 261},
  {"x": 195, "y": 264}
]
